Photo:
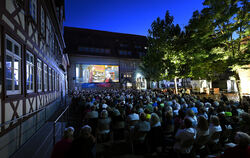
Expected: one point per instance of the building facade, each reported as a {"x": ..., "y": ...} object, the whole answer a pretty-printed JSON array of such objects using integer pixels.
[
  {"x": 33, "y": 68},
  {"x": 106, "y": 53}
]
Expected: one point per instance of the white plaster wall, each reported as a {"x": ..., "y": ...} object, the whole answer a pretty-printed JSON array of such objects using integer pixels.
[
  {"x": 9, "y": 111},
  {"x": 245, "y": 80},
  {"x": 10, "y": 6}
]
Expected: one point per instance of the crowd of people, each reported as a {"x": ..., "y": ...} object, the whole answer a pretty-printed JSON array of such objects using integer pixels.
[{"x": 156, "y": 122}]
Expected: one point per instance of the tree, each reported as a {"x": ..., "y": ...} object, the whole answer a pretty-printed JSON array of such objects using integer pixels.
[
  {"x": 151, "y": 66},
  {"x": 217, "y": 36},
  {"x": 164, "y": 53}
]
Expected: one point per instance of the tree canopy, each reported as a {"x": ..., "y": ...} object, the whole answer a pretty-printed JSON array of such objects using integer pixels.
[{"x": 214, "y": 41}]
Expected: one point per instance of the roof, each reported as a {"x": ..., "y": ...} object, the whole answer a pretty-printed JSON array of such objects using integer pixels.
[
  {"x": 104, "y": 33},
  {"x": 81, "y": 37}
]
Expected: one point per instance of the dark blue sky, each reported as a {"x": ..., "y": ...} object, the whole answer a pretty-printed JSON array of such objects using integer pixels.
[{"x": 127, "y": 16}]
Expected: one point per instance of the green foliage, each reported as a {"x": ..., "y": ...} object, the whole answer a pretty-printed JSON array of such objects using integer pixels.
[
  {"x": 215, "y": 38},
  {"x": 215, "y": 41},
  {"x": 164, "y": 59}
]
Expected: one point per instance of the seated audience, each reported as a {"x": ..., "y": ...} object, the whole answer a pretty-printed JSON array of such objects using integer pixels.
[{"x": 62, "y": 147}]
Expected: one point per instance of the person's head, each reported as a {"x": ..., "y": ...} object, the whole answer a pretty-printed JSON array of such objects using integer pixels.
[
  {"x": 187, "y": 123},
  {"x": 143, "y": 116},
  {"x": 117, "y": 112},
  {"x": 104, "y": 114},
  {"x": 92, "y": 108},
  {"x": 68, "y": 133},
  {"x": 245, "y": 117},
  {"x": 215, "y": 120},
  {"x": 242, "y": 139},
  {"x": 85, "y": 130},
  {"x": 202, "y": 110},
  {"x": 169, "y": 115},
  {"x": 202, "y": 123},
  {"x": 108, "y": 75},
  {"x": 154, "y": 118},
  {"x": 190, "y": 113}
]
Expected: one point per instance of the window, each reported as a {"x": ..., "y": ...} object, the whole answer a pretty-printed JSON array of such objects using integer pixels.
[
  {"x": 42, "y": 21},
  {"x": 50, "y": 79},
  {"x": 53, "y": 80},
  {"x": 57, "y": 82},
  {"x": 107, "y": 51},
  {"x": 39, "y": 75},
  {"x": 125, "y": 52},
  {"x": 13, "y": 67},
  {"x": 45, "y": 77},
  {"x": 56, "y": 48},
  {"x": 33, "y": 9},
  {"x": 121, "y": 52},
  {"x": 123, "y": 45},
  {"x": 49, "y": 38},
  {"x": 20, "y": 3},
  {"x": 29, "y": 72},
  {"x": 141, "y": 54},
  {"x": 52, "y": 43},
  {"x": 48, "y": 25},
  {"x": 58, "y": 12},
  {"x": 138, "y": 47}
]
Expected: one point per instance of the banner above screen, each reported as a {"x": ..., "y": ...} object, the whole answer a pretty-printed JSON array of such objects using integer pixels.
[{"x": 97, "y": 73}]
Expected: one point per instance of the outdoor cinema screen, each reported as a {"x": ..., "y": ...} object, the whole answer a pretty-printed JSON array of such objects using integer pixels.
[{"x": 96, "y": 73}]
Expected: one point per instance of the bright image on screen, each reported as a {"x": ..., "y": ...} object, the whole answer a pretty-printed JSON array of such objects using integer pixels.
[{"x": 96, "y": 73}]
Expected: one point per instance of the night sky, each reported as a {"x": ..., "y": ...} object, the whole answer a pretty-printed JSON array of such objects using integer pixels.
[{"x": 127, "y": 16}]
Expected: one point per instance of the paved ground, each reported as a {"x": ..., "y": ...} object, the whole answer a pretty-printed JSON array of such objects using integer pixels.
[{"x": 40, "y": 144}]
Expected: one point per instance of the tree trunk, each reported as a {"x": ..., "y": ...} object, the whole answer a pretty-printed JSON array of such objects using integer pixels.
[
  {"x": 175, "y": 85},
  {"x": 148, "y": 83},
  {"x": 158, "y": 84},
  {"x": 237, "y": 77}
]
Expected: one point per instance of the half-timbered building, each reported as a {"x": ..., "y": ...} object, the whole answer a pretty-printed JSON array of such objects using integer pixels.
[{"x": 33, "y": 68}]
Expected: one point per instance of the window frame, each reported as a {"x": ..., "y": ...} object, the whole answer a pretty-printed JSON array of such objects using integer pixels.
[
  {"x": 53, "y": 79},
  {"x": 14, "y": 57},
  {"x": 42, "y": 21},
  {"x": 39, "y": 75},
  {"x": 32, "y": 10},
  {"x": 50, "y": 84},
  {"x": 31, "y": 66},
  {"x": 45, "y": 77}
]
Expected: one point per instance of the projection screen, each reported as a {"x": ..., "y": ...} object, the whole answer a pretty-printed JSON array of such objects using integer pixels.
[{"x": 97, "y": 73}]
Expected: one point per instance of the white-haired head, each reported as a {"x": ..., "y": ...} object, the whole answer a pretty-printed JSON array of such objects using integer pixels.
[
  {"x": 241, "y": 138},
  {"x": 86, "y": 129},
  {"x": 68, "y": 132}
]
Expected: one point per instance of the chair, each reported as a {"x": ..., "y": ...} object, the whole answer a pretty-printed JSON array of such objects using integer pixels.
[
  {"x": 215, "y": 136},
  {"x": 200, "y": 145},
  {"x": 201, "y": 142},
  {"x": 213, "y": 143},
  {"x": 118, "y": 130},
  {"x": 226, "y": 136},
  {"x": 92, "y": 122},
  {"x": 139, "y": 140},
  {"x": 103, "y": 131},
  {"x": 168, "y": 142},
  {"x": 185, "y": 145},
  {"x": 132, "y": 122}
]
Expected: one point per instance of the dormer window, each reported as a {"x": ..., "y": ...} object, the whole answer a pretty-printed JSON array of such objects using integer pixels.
[
  {"x": 42, "y": 21},
  {"x": 123, "y": 45},
  {"x": 20, "y": 3},
  {"x": 33, "y": 9}
]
